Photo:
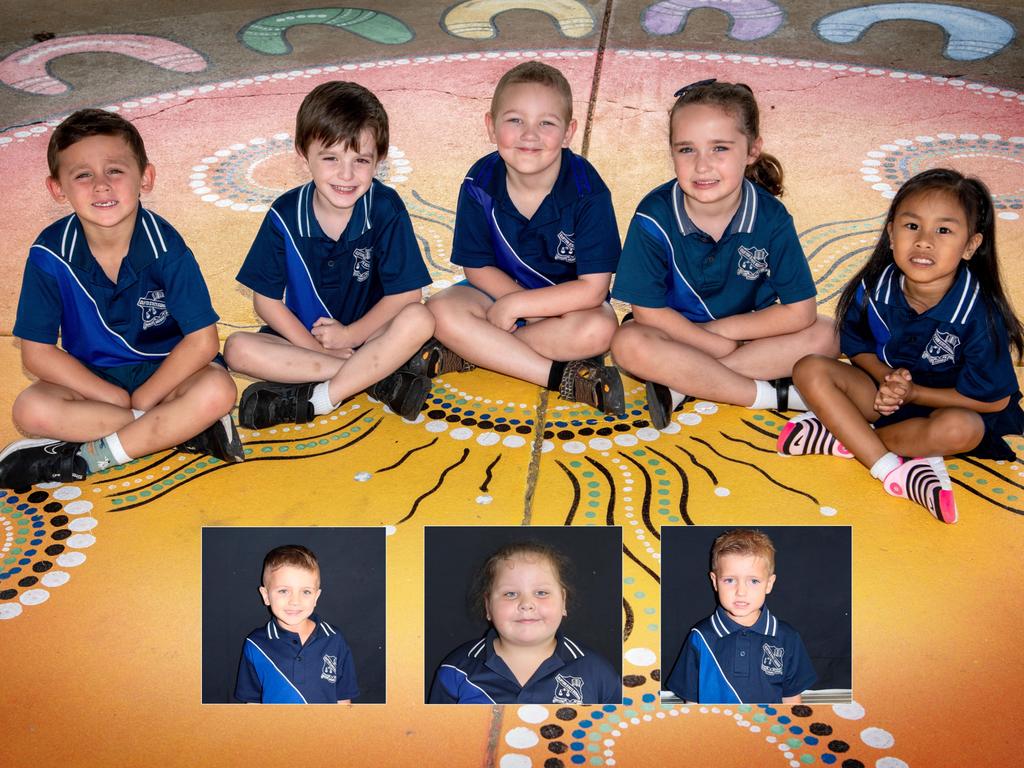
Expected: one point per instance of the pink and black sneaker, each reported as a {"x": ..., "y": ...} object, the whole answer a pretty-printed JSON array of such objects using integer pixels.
[{"x": 925, "y": 481}]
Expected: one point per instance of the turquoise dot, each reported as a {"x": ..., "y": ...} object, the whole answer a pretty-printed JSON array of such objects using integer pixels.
[
  {"x": 590, "y": 514},
  {"x": 202, "y": 464},
  {"x": 652, "y": 627},
  {"x": 593, "y": 494},
  {"x": 982, "y": 481},
  {"x": 758, "y": 417},
  {"x": 650, "y": 611},
  {"x": 664, "y": 482},
  {"x": 133, "y": 497},
  {"x": 664, "y": 502},
  {"x": 593, "y": 504},
  {"x": 659, "y": 471},
  {"x": 628, "y": 580},
  {"x": 575, "y": 464},
  {"x": 266, "y": 449},
  {"x": 593, "y": 484},
  {"x": 997, "y": 490},
  {"x": 345, "y": 434},
  {"x": 639, "y": 595},
  {"x": 663, "y": 492},
  {"x": 968, "y": 473},
  {"x": 589, "y": 474},
  {"x": 673, "y": 518}
]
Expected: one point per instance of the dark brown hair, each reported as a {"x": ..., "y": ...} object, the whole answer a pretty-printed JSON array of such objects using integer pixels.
[
  {"x": 484, "y": 581},
  {"x": 338, "y": 112},
  {"x": 743, "y": 541},
  {"x": 93, "y": 122},
  {"x": 738, "y": 100},
  {"x": 294, "y": 555},
  {"x": 534, "y": 72}
]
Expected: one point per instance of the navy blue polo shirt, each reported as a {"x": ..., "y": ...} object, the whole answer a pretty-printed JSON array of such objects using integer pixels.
[
  {"x": 159, "y": 297},
  {"x": 277, "y": 669},
  {"x": 723, "y": 662},
  {"x": 668, "y": 261},
  {"x": 292, "y": 258},
  {"x": 950, "y": 346},
  {"x": 474, "y": 674},
  {"x": 572, "y": 233}
]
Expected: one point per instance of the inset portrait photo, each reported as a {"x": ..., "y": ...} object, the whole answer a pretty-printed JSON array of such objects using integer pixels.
[
  {"x": 756, "y": 615},
  {"x": 294, "y": 615},
  {"x": 523, "y": 615}
]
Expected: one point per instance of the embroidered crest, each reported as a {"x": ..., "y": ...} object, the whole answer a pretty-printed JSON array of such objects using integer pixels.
[
  {"x": 154, "y": 310},
  {"x": 566, "y": 248},
  {"x": 753, "y": 262},
  {"x": 361, "y": 267},
  {"x": 942, "y": 348},
  {"x": 568, "y": 690},
  {"x": 330, "y": 671},
  {"x": 771, "y": 660}
]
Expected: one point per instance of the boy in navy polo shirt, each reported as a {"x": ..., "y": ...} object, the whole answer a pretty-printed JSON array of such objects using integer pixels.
[
  {"x": 742, "y": 654},
  {"x": 336, "y": 275},
  {"x": 133, "y": 373},
  {"x": 536, "y": 234},
  {"x": 296, "y": 657}
]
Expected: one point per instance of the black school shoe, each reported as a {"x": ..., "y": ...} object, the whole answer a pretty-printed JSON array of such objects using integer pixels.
[
  {"x": 403, "y": 392},
  {"x": 267, "y": 403},
  {"x": 659, "y": 404},
  {"x": 589, "y": 382},
  {"x": 219, "y": 440},
  {"x": 435, "y": 359},
  {"x": 27, "y": 462}
]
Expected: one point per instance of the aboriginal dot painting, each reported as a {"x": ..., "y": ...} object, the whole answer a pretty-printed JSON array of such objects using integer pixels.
[{"x": 100, "y": 597}]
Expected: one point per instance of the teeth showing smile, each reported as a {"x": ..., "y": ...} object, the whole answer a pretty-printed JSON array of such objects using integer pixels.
[{"x": 108, "y": 204}]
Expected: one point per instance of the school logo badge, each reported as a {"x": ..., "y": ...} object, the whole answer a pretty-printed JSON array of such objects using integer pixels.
[
  {"x": 568, "y": 690},
  {"x": 154, "y": 310},
  {"x": 361, "y": 267},
  {"x": 942, "y": 348},
  {"x": 330, "y": 670},
  {"x": 753, "y": 262},
  {"x": 771, "y": 661},
  {"x": 566, "y": 248}
]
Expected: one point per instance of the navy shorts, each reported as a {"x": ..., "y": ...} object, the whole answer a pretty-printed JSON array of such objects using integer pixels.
[
  {"x": 1009, "y": 421},
  {"x": 131, "y": 377}
]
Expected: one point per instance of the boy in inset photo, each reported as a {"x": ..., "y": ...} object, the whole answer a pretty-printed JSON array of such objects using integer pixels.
[
  {"x": 742, "y": 653},
  {"x": 296, "y": 657}
]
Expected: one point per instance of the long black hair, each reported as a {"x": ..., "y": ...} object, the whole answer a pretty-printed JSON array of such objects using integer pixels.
[{"x": 976, "y": 202}]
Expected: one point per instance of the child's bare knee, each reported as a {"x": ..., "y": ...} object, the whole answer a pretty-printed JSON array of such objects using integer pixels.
[
  {"x": 624, "y": 345},
  {"x": 30, "y": 414},
  {"x": 811, "y": 369},
  {"x": 960, "y": 430},
  {"x": 415, "y": 320},
  {"x": 235, "y": 349}
]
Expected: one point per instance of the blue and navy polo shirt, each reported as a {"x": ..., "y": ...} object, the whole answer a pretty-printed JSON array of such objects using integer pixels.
[
  {"x": 723, "y": 662},
  {"x": 277, "y": 669},
  {"x": 668, "y": 261},
  {"x": 572, "y": 233},
  {"x": 474, "y": 674},
  {"x": 159, "y": 297},
  {"x": 293, "y": 259},
  {"x": 952, "y": 345}
]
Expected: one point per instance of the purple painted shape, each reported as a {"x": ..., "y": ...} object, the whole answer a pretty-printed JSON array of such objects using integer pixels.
[
  {"x": 751, "y": 19},
  {"x": 27, "y": 69}
]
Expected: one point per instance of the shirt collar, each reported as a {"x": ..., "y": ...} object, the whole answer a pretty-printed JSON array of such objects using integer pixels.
[
  {"x": 766, "y": 623},
  {"x": 955, "y": 307},
  {"x": 742, "y": 221},
  {"x": 358, "y": 225},
  {"x": 566, "y": 651},
  {"x": 273, "y": 630},
  {"x": 147, "y": 242},
  {"x": 565, "y": 191}
]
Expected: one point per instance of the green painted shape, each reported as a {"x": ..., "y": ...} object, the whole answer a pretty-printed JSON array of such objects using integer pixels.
[{"x": 267, "y": 35}]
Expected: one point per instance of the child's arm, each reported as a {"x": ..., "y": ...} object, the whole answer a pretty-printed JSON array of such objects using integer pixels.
[
  {"x": 51, "y": 363},
  {"x": 196, "y": 350},
  {"x": 585, "y": 292},
  {"x": 333, "y": 336},
  {"x": 933, "y": 397},
  {"x": 776, "y": 320},
  {"x": 275, "y": 313},
  {"x": 798, "y": 699},
  {"x": 685, "y": 331}
]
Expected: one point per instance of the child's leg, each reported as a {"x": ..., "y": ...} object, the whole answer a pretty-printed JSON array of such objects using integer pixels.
[
  {"x": 462, "y": 326},
  {"x": 573, "y": 336},
  {"x": 271, "y": 358},
  {"x": 945, "y": 432},
  {"x": 774, "y": 357},
  {"x": 651, "y": 354},
  {"x": 49, "y": 410}
]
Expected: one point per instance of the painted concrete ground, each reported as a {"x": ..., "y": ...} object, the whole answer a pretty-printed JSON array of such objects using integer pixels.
[{"x": 111, "y": 566}]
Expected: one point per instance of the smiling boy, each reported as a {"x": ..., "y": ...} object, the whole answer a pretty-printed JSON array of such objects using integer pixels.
[
  {"x": 742, "y": 653},
  {"x": 535, "y": 232},
  {"x": 296, "y": 657},
  {"x": 134, "y": 372},
  {"x": 336, "y": 275}
]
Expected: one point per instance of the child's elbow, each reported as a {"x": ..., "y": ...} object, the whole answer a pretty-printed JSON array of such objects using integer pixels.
[{"x": 205, "y": 342}]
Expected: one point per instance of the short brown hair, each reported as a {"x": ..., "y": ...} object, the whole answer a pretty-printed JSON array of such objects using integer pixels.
[
  {"x": 338, "y": 112},
  {"x": 488, "y": 572},
  {"x": 93, "y": 122},
  {"x": 295, "y": 555},
  {"x": 534, "y": 72},
  {"x": 743, "y": 541}
]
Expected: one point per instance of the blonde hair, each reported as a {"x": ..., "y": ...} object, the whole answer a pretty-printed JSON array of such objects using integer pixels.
[
  {"x": 294, "y": 555},
  {"x": 743, "y": 541},
  {"x": 534, "y": 72}
]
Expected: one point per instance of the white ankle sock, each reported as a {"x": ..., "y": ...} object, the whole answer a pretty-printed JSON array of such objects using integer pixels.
[
  {"x": 766, "y": 397},
  {"x": 116, "y": 449},
  {"x": 885, "y": 465},
  {"x": 137, "y": 414},
  {"x": 321, "y": 399},
  {"x": 677, "y": 398},
  {"x": 796, "y": 403}
]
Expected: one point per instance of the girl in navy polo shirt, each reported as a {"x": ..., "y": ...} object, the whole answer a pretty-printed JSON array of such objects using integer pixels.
[
  {"x": 524, "y": 658},
  {"x": 723, "y": 299},
  {"x": 928, "y": 328}
]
